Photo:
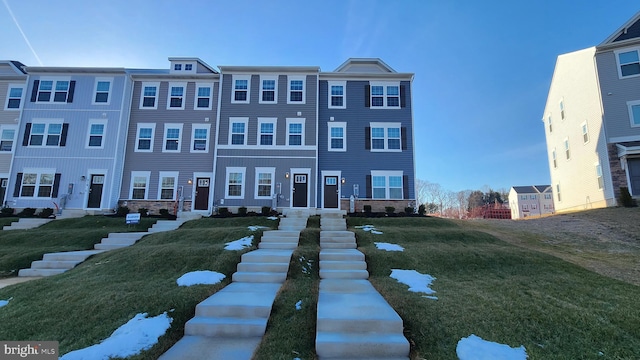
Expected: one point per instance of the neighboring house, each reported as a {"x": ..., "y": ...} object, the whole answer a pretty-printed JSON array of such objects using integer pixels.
[
  {"x": 267, "y": 143},
  {"x": 13, "y": 80},
  {"x": 70, "y": 149},
  {"x": 526, "y": 201},
  {"x": 365, "y": 136},
  {"x": 169, "y": 156},
  {"x": 592, "y": 122}
]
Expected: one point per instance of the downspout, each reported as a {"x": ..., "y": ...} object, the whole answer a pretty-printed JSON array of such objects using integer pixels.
[{"x": 215, "y": 145}]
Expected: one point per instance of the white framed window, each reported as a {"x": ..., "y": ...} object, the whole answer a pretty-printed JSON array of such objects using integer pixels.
[
  {"x": 385, "y": 95},
  {"x": 172, "y": 138},
  {"x": 149, "y": 95},
  {"x": 139, "y": 185},
  {"x": 167, "y": 185},
  {"x": 550, "y": 124},
  {"x": 386, "y": 137},
  {"x": 264, "y": 182},
  {"x": 547, "y": 196},
  {"x": 268, "y": 89},
  {"x": 200, "y": 138},
  {"x": 337, "y": 92},
  {"x": 204, "y": 96},
  {"x": 15, "y": 93},
  {"x": 523, "y": 197},
  {"x": 238, "y": 131},
  {"x": 144, "y": 137},
  {"x": 8, "y": 137},
  {"x": 532, "y": 197},
  {"x": 95, "y": 134},
  {"x": 47, "y": 133},
  {"x": 386, "y": 184},
  {"x": 177, "y": 67},
  {"x": 241, "y": 89},
  {"x": 585, "y": 132},
  {"x": 628, "y": 63},
  {"x": 634, "y": 112},
  {"x": 558, "y": 192},
  {"x": 337, "y": 136},
  {"x": 555, "y": 160},
  {"x": 54, "y": 90},
  {"x": 599, "y": 176},
  {"x": 267, "y": 131},
  {"x": 37, "y": 183},
  {"x": 561, "y": 109},
  {"x": 235, "y": 182},
  {"x": 175, "y": 96},
  {"x": 295, "y": 132},
  {"x": 567, "y": 151},
  {"x": 188, "y": 67},
  {"x": 102, "y": 91},
  {"x": 296, "y": 89}
]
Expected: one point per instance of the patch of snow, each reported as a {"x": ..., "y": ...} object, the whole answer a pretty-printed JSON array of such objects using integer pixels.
[
  {"x": 431, "y": 297},
  {"x": 257, "y": 227},
  {"x": 138, "y": 334},
  {"x": 299, "y": 305},
  {"x": 272, "y": 218},
  {"x": 417, "y": 282},
  {"x": 240, "y": 243},
  {"x": 366, "y": 227},
  {"x": 200, "y": 277},
  {"x": 388, "y": 247},
  {"x": 376, "y": 232},
  {"x": 475, "y": 348},
  {"x": 5, "y": 302}
]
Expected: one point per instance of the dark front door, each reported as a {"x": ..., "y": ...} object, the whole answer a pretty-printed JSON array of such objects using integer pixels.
[
  {"x": 3, "y": 189},
  {"x": 202, "y": 194},
  {"x": 299, "y": 190},
  {"x": 634, "y": 176},
  {"x": 331, "y": 192},
  {"x": 95, "y": 191}
]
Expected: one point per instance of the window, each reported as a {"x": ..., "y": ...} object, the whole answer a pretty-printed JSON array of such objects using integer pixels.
[
  {"x": 599, "y": 176},
  {"x": 384, "y": 95},
  {"x": 235, "y": 182},
  {"x": 53, "y": 90},
  {"x": 172, "y": 137},
  {"x": 337, "y": 136},
  {"x": 200, "y": 138},
  {"x": 547, "y": 196},
  {"x": 102, "y": 89},
  {"x": 628, "y": 63},
  {"x": 144, "y": 140},
  {"x": 385, "y": 137},
  {"x": 558, "y": 192},
  {"x": 523, "y": 197},
  {"x": 46, "y": 134},
  {"x": 532, "y": 197},
  {"x": 386, "y": 185},
  {"x": 634, "y": 112},
  {"x": 567, "y": 152},
  {"x": 7, "y": 137},
  {"x": 240, "y": 93},
  {"x": 268, "y": 90},
  {"x": 167, "y": 185},
  {"x": 296, "y": 91},
  {"x": 177, "y": 67},
  {"x": 295, "y": 132},
  {"x": 550, "y": 125},
  {"x": 96, "y": 134},
  {"x": 175, "y": 98},
  {"x": 553, "y": 156},
  {"x": 266, "y": 131},
  {"x": 561, "y": 109},
  {"x": 238, "y": 131},
  {"x": 139, "y": 184},
  {"x": 337, "y": 97},
  {"x": 14, "y": 98},
  {"x": 149, "y": 98},
  {"x": 204, "y": 96},
  {"x": 585, "y": 132},
  {"x": 188, "y": 67},
  {"x": 264, "y": 182},
  {"x": 39, "y": 184}
]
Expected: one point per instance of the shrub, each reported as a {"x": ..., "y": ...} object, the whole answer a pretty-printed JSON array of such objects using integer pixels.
[
  {"x": 164, "y": 212},
  {"x": 122, "y": 211},
  {"x": 422, "y": 209},
  {"x": 266, "y": 210},
  {"x": 367, "y": 209},
  {"x": 409, "y": 210},
  {"x": 45, "y": 213},
  {"x": 7, "y": 211},
  {"x": 27, "y": 212},
  {"x": 144, "y": 212},
  {"x": 625, "y": 197},
  {"x": 389, "y": 209},
  {"x": 224, "y": 212},
  {"x": 242, "y": 211}
]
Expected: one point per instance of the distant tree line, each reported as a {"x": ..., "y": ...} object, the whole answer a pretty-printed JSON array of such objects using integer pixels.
[{"x": 461, "y": 204}]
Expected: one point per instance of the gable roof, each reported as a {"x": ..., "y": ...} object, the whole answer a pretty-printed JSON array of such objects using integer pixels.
[
  {"x": 12, "y": 70},
  {"x": 369, "y": 65},
  {"x": 535, "y": 189},
  {"x": 210, "y": 68},
  {"x": 628, "y": 32}
]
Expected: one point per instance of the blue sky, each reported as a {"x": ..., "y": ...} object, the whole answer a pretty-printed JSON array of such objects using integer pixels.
[{"x": 482, "y": 68}]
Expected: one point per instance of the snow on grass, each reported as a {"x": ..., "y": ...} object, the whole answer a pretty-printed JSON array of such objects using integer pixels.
[
  {"x": 306, "y": 265},
  {"x": 5, "y": 302},
  {"x": 138, "y": 334},
  {"x": 272, "y": 218},
  {"x": 417, "y": 282},
  {"x": 388, "y": 247},
  {"x": 200, "y": 277},
  {"x": 299, "y": 305},
  {"x": 257, "y": 227},
  {"x": 475, "y": 348},
  {"x": 369, "y": 228},
  {"x": 240, "y": 243}
]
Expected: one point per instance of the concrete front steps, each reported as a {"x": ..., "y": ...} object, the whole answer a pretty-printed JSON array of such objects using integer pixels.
[
  {"x": 26, "y": 223},
  {"x": 230, "y": 323},
  {"x": 354, "y": 321},
  {"x": 57, "y": 263}
]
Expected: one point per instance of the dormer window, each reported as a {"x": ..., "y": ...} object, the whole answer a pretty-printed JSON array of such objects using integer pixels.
[{"x": 188, "y": 67}]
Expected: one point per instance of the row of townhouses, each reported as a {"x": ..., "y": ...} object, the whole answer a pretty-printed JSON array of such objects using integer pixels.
[
  {"x": 193, "y": 137},
  {"x": 592, "y": 122}
]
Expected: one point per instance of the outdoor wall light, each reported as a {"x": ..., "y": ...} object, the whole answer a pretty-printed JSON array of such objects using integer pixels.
[
  {"x": 344, "y": 181},
  {"x": 286, "y": 175},
  {"x": 190, "y": 181},
  {"x": 83, "y": 178}
]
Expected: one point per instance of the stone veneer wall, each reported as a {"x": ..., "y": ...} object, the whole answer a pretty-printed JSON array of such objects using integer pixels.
[
  {"x": 154, "y": 206},
  {"x": 377, "y": 205},
  {"x": 618, "y": 176}
]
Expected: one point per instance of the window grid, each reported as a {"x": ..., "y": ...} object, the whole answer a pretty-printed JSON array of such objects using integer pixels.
[
  {"x": 7, "y": 138},
  {"x": 96, "y": 133},
  {"x": 14, "y": 99},
  {"x": 629, "y": 63},
  {"x": 102, "y": 92},
  {"x": 144, "y": 140},
  {"x": 149, "y": 98},
  {"x": 37, "y": 185},
  {"x": 295, "y": 134},
  {"x": 385, "y": 95}
]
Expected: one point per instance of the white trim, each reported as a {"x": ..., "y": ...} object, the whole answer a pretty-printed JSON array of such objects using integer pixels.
[
  {"x": 584, "y": 129},
  {"x": 22, "y": 95},
  {"x": 343, "y": 126},
  {"x": 243, "y": 183},
  {"x": 385, "y": 96},
  {"x": 567, "y": 149},
  {"x": 155, "y": 98},
  {"x": 195, "y": 176},
  {"x": 275, "y": 90},
  {"x": 145, "y": 174},
  {"x": 95, "y": 90},
  {"x": 38, "y": 172},
  {"x": 54, "y": 81},
  {"x": 15, "y": 135},
  {"x": 630, "y": 105},
  {"x": 267, "y": 120},
  {"x": 291, "y": 78},
  {"x": 306, "y": 171},
  {"x": 196, "y": 97},
  {"x": 238, "y": 120},
  {"x": 103, "y": 135},
  {"x": 619, "y": 66},
  {"x": 235, "y": 77},
  {"x": 387, "y": 174},
  {"x": 183, "y": 97},
  {"x": 291, "y": 121},
  {"x": 91, "y": 172},
  {"x": 386, "y": 126},
  {"x": 167, "y": 127},
  {"x": 563, "y": 114},
  {"x": 337, "y": 173},
  {"x": 194, "y": 127},
  {"x": 344, "y": 94},
  {"x": 620, "y": 139},
  {"x": 45, "y": 134},
  {"x": 263, "y": 147},
  {"x": 168, "y": 174},
  {"x": 153, "y": 135},
  {"x": 264, "y": 170}
]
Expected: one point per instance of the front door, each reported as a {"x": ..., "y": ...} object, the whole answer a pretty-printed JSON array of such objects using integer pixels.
[
  {"x": 331, "y": 192},
  {"x": 634, "y": 176},
  {"x": 300, "y": 190},
  {"x": 3, "y": 189},
  {"x": 202, "y": 194},
  {"x": 95, "y": 191}
]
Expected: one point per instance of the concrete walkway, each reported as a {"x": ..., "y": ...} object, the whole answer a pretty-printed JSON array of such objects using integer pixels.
[{"x": 230, "y": 323}]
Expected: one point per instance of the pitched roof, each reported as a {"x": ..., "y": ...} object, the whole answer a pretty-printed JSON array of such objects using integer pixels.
[
  {"x": 364, "y": 65},
  {"x": 630, "y": 30},
  {"x": 535, "y": 189}
]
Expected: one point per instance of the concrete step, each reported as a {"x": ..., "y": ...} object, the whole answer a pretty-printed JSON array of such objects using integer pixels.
[
  {"x": 343, "y": 265},
  {"x": 107, "y": 247},
  {"x": 337, "y": 234},
  {"x": 71, "y": 255},
  {"x": 346, "y": 286},
  {"x": 119, "y": 241},
  {"x": 40, "y": 272},
  {"x": 333, "y": 214},
  {"x": 343, "y": 274},
  {"x": 281, "y": 234},
  {"x": 280, "y": 239},
  {"x": 127, "y": 235},
  {"x": 356, "y": 313},
  {"x": 66, "y": 265},
  {"x": 267, "y": 256},
  {"x": 341, "y": 255},
  {"x": 263, "y": 267},
  {"x": 361, "y": 346},
  {"x": 208, "y": 348},
  {"x": 225, "y": 327},
  {"x": 26, "y": 223},
  {"x": 337, "y": 245},
  {"x": 339, "y": 239},
  {"x": 277, "y": 245},
  {"x": 259, "y": 277},
  {"x": 237, "y": 304}
]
